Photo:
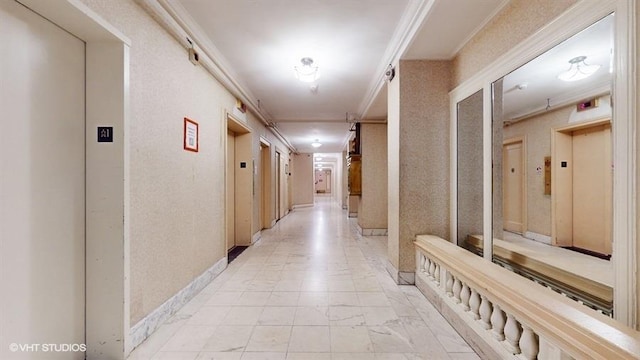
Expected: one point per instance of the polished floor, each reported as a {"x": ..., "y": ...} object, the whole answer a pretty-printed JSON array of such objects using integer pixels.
[{"x": 311, "y": 288}]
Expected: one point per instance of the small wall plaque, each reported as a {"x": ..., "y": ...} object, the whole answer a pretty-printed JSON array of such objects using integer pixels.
[
  {"x": 190, "y": 135},
  {"x": 105, "y": 134}
]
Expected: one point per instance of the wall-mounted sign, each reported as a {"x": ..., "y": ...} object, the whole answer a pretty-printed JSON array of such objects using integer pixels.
[
  {"x": 190, "y": 135},
  {"x": 105, "y": 134}
]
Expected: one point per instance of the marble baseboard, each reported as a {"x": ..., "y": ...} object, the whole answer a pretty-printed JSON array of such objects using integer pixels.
[
  {"x": 401, "y": 277},
  {"x": 303, "y": 206},
  {"x": 372, "y": 232},
  {"x": 256, "y": 237},
  {"x": 145, "y": 327},
  {"x": 353, "y": 214},
  {"x": 538, "y": 237},
  {"x": 479, "y": 341}
]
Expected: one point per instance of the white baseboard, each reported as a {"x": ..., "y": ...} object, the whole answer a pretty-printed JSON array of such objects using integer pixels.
[
  {"x": 372, "y": 232},
  {"x": 538, "y": 237},
  {"x": 150, "y": 323}
]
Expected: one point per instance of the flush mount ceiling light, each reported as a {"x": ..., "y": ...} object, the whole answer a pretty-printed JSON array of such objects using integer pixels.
[
  {"x": 318, "y": 158},
  {"x": 578, "y": 70},
  {"x": 307, "y": 72},
  {"x": 316, "y": 144}
]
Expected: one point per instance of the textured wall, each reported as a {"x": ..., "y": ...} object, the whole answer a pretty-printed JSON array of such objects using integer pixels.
[
  {"x": 469, "y": 181},
  {"x": 372, "y": 213},
  {"x": 302, "y": 179},
  {"x": 518, "y": 20},
  {"x": 177, "y": 223},
  {"x": 418, "y": 125}
]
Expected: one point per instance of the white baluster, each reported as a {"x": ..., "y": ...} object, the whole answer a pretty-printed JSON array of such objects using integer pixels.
[
  {"x": 432, "y": 269},
  {"x": 457, "y": 288},
  {"x": 512, "y": 334},
  {"x": 449, "y": 283},
  {"x": 465, "y": 294},
  {"x": 498, "y": 321},
  {"x": 423, "y": 259},
  {"x": 436, "y": 274},
  {"x": 474, "y": 304},
  {"x": 529, "y": 343},
  {"x": 485, "y": 312}
]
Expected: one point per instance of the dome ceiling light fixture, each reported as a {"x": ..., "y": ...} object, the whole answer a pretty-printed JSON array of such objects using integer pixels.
[
  {"x": 316, "y": 144},
  {"x": 578, "y": 70},
  {"x": 307, "y": 72}
]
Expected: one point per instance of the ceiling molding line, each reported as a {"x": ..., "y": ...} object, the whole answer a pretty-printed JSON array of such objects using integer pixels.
[
  {"x": 412, "y": 20},
  {"x": 174, "y": 18},
  {"x": 475, "y": 32}
]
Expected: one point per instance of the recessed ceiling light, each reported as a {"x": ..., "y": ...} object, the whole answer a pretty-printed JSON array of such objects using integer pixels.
[{"x": 307, "y": 72}]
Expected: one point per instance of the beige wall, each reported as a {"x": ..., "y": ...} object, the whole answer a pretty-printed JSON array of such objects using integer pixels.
[
  {"x": 372, "y": 212},
  {"x": 418, "y": 124},
  {"x": 637, "y": 57},
  {"x": 176, "y": 219},
  {"x": 518, "y": 20},
  {"x": 302, "y": 179}
]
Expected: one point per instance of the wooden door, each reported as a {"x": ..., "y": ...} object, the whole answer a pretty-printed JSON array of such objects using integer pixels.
[
  {"x": 513, "y": 188},
  {"x": 592, "y": 189},
  {"x": 231, "y": 190}
]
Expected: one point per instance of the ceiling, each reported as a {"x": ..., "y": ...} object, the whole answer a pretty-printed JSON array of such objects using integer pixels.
[
  {"x": 533, "y": 86},
  {"x": 351, "y": 41}
]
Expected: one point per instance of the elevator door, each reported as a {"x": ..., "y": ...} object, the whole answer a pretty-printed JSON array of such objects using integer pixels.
[
  {"x": 231, "y": 190},
  {"x": 42, "y": 185}
]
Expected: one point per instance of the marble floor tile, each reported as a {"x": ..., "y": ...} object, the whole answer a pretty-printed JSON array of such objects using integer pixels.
[
  {"x": 307, "y": 290},
  {"x": 210, "y": 355},
  {"x": 243, "y": 315},
  {"x": 269, "y": 339},
  {"x": 310, "y": 339},
  {"x": 209, "y": 315},
  {"x": 351, "y": 339},
  {"x": 189, "y": 338},
  {"x": 229, "y": 338},
  {"x": 346, "y": 316},
  {"x": 311, "y": 315},
  {"x": 378, "y": 315},
  {"x": 283, "y": 298},
  {"x": 277, "y": 315}
]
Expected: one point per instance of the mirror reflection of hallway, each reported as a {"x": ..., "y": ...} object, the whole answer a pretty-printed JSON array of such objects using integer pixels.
[{"x": 582, "y": 180}]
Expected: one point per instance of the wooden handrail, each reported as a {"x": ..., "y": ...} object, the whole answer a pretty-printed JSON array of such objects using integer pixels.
[{"x": 577, "y": 330}]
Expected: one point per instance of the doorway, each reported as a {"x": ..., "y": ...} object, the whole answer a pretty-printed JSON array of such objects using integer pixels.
[
  {"x": 238, "y": 184},
  {"x": 265, "y": 185},
  {"x": 582, "y": 187},
  {"x": 514, "y": 193},
  {"x": 43, "y": 184}
]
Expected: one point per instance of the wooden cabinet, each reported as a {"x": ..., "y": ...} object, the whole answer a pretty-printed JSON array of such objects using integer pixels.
[{"x": 354, "y": 166}]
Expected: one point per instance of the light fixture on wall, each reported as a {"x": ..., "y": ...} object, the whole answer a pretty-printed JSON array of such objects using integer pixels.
[
  {"x": 578, "y": 70},
  {"x": 307, "y": 72},
  {"x": 316, "y": 144}
]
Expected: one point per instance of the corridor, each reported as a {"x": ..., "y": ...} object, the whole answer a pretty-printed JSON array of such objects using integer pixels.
[{"x": 311, "y": 288}]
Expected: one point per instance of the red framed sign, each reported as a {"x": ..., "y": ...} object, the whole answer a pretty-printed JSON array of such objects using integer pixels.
[{"x": 190, "y": 135}]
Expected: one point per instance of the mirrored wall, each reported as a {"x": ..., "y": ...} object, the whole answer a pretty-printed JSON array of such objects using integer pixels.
[
  {"x": 553, "y": 167},
  {"x": 541, "y": 161}
]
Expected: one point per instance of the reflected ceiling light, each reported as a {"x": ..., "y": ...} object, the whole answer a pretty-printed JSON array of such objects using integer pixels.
[
  {"x": 316, "y": 144},
  {"x": 578, "y": 70},
  {"x": 318, "y": 158},
  {"x": 307, "y": 72}
]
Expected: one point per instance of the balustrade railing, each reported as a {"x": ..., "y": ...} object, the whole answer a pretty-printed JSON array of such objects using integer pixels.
[{"x": 515, "y": 317}]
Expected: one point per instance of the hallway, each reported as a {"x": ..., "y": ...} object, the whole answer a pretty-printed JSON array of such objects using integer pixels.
[{"x": 311, "y": 288}]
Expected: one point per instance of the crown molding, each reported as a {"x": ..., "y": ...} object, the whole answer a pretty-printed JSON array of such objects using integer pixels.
[{"x": 412, "y": 19}]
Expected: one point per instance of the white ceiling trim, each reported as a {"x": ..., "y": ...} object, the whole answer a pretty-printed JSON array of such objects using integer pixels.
[
  {"x": 411, "y": 22},
  {"x": 173, "y": 17}
]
